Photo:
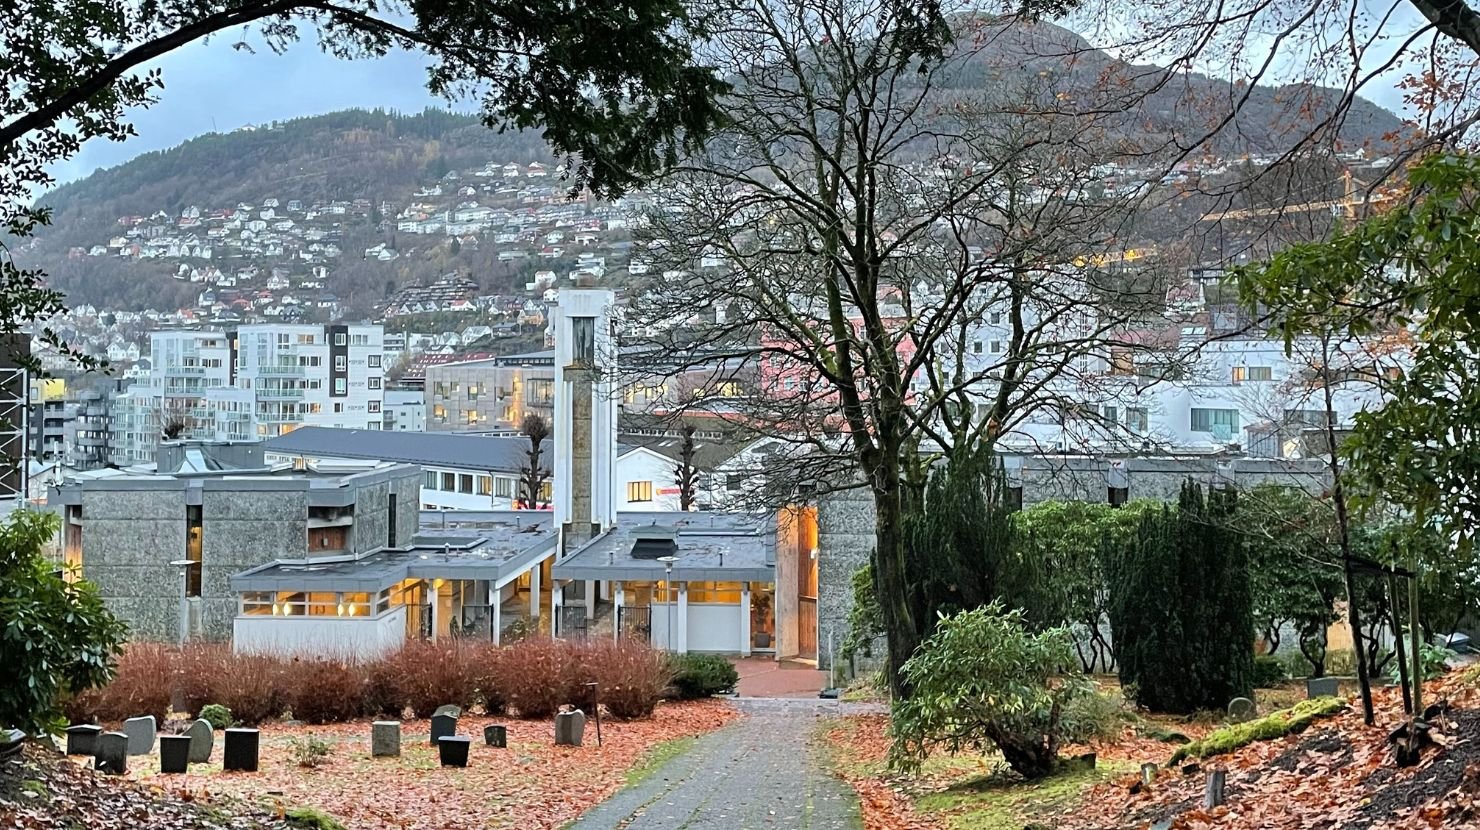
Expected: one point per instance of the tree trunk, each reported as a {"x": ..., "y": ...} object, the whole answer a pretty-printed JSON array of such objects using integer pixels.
[
  {"x": 890, "y": 579},
  {"x": 1031, "y": 756}
]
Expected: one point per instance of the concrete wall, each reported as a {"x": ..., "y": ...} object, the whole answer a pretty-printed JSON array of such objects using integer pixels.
[
  {"x": 845, "y": 541},
  {"x": 243, "y": 529},
  {"x": 371, "y": 512},
  {"x": 321, "y": 636},
  {"x": 129, "y": 538}
]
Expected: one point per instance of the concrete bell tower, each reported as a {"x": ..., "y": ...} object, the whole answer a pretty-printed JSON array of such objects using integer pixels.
[{"x": 585, "y": 428}]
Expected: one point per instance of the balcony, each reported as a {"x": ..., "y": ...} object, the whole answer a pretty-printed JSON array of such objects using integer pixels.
[
  {"x": 280, "y": 370},
  {"x": 185, "y": 371},
  {"x": 270, "y": 394}
]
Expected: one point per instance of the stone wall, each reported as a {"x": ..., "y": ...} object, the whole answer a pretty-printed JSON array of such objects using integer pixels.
[
  {"x": 372, "y": 505},
  {"x": 243, "y": 529},
  {"x": 845, "y": 541},
  {"x": 129, "y": 538}
]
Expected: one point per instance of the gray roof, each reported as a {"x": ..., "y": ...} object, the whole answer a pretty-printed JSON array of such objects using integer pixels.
[
  {"x": 719, "y": 547},
  {"x": 430, "y": 449},
  {"x": 499, "y": 545}
]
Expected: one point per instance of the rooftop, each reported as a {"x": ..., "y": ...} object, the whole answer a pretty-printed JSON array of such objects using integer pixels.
[
  {"x": 721, "y": 547},
  {"x": 430, "y": 449}
]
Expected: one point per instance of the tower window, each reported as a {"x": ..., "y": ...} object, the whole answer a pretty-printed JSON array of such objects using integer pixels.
[{"x": 583, "y": 341}]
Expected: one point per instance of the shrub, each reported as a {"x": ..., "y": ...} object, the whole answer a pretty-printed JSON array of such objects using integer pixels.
[
  {"x": 218, "y": 716},
  {"x": 701, "y": 675},
  {"x": 199, "y": 667},
  {"x": 632, "y": 676},
  {"x": 485, "y": 666},
  {"x": 252, "y": 687},
  {"x": 983, "y": 679},
  {"x": 57, "y": 639},
  {"x": 324, "y": 691},
  {"x": 142, "y": 684},
  {"x": 1269, "y": 671},
  {"x": 538, "y": 676},
  {"x": 309, "y": 751},
  {"x": 379, "y": 692},
  {"x": 427, "y": 675},
  {"x": 1092, "y": 715}
]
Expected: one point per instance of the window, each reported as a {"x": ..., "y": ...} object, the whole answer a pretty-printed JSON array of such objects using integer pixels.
[
  {"x": 583, "y": 341},
  {"x": 339, "y": 386},
  {"x": 485, "y": 485},
  {"x": 390, "y": 520},
  {"x": 639, "y": 491},
  {"x": 1214, "y": 420},
  {"x": 374, "y": 406},
  {"x": 373, "y": 361},
  {"x": 257, "y": 603},
  {"x": 449, "y": 482},
  {"x": 1308, "y": 417},
  {"x": 465, "y": 483},
  {"x": 734, "y": 482},
  {"x": 1119, "y": 496},
  {"x": 440, "y": 389},
  {"x": 976, "y": 347},
  {"x": 547, "y": 492},
  {"x": 340, "y": 363},
  {"x": 996, "y": 347},
  {"x": 504, "y": 488},
  {"x": 339, "y": 338},
  {"x": 1261, "y": 373},
  {"x": 439, "y": 413},
  {"x": 539, "y": 390},
  {"x": 1112, "y": 415},
  {"x": 338, "y": 407},
  {"x": 996, "y": 318},
  {"x": 372, "y": 383},
  {"x": 474, "y": 391},
  {"x": 1137, "y": 420},
  {"x": 470, "y": 417},
  {"x": 1014, "y": 498}
]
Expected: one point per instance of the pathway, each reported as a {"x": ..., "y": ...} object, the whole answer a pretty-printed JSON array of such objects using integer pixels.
[{"x": 759, "y": 773}]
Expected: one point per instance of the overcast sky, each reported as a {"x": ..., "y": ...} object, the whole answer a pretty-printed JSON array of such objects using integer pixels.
[{"x": 211, "y": 86}]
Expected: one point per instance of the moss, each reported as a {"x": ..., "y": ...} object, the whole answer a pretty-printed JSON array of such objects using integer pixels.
[
  {"x": 1000, "y": 801},
  {"x": 35, "y": 788},
  {"x": 657, "y": 757},
  {"x": 1272, "y": 726},
  {"x": 308, "y": 818},
  {"x": 1163, "y": 734}
]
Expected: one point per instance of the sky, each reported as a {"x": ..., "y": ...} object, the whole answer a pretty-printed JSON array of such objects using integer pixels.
[{"x": 211, "y": 86}]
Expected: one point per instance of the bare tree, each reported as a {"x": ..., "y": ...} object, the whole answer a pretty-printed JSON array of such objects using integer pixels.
[
  {"x": 535, "y": 472},
  {"x": 899, "y": 235},
  {"x": 685, "y": 473}
]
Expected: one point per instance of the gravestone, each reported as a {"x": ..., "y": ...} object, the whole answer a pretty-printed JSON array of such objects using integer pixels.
[
  {"x": 1322, "y": 687},
  {"x": 174, "y": 753},
  {"x": 140, "y": 732},
  {"x": 202, "y": 738},
  {"x": 443, "y": 726},
  {"x": 1213, "y": 793},
  {"x": 82, "y": 739},
  {"x": 239, "y": 750},
  {"x": 111, "y": 753},
  {"x": 452, "y": 750},
  {"x": 385, "y": 739},
  {"x": 449, "y": 709},
  {"x": 1241, "y": 709},
  {"x": 496, "y": 734},
  {"x": 570, "y": 728},
  {"x": 1148, "y": 774}
]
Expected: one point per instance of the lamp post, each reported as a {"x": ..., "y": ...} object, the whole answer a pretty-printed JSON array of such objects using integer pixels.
[
  {"x": 184, "y": 566},
  {"x": 668, "y": 584}
]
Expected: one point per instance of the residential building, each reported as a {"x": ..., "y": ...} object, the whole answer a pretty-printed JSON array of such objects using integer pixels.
[
  {"x": 490, "y": 393},
  {"x": 50, "y": 413},
  {"x": 89, "y": 444},
  {"x": 405, "y": 410},
  {"x": 307, "y": 375}
]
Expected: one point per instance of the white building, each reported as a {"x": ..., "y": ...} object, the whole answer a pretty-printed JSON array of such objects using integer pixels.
[
  {"x": 308, "y": 375},
  {"x": 405, "y": 410}
]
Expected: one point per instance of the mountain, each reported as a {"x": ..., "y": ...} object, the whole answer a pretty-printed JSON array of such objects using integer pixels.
[{"x": 344, "y": 170}]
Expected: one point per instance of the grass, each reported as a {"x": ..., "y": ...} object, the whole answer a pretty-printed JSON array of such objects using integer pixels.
[
  {"x": 307, "y": 818},
  {"x": 1002, "y": 801},
  {"x": 1272, "y": 726},
  {"x": 656, "y": 757}
]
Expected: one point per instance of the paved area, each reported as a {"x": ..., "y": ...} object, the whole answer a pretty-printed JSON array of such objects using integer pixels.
[
  {"x": 767, "y": 677},
  {"x": 758, "y": 773}
]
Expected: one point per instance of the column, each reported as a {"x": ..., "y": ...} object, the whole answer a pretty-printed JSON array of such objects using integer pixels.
[
  {"x": 534, "y": 597},
  {"x": 745, "y": 619},
  {"x": 617, "y": 599},
  {"x": 590, "y": 600},
  {"x": 557, "y": 601},
  {"x": 681, "y": 639},
  {"x": 435, "y": 595},
  {"x": 495, "y": 609}
]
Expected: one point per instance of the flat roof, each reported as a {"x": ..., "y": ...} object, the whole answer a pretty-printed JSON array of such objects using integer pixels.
[
  {"x": 496, "y": 550},
  {"x": 711, "y": 547},
  {"x": 427, "y": 449}
]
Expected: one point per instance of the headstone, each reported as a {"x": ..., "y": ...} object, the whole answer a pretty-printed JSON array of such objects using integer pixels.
[
  {"x": 1241, "y": 709},
  {"x": 443, "y": 726},
  {"x": 1148, "y": 774},
  {"x": 1322, "y": 687},
  {"x": 1213, "y": 793},
  {"x": 239, "y": 750},
  {"x": 452, "y": 750},
  {"x": 450, "y": 709},
  {"x": 385, "y": 739},
  {"x": 496, "y": 734},
  {"x": 140, "y": 732},
  {"x": 570, "y": 728},
  {"x": 174, "y": 753},
  {"x": 81, "y": 739},
  {"x": 202, "y": 738},
  {"x": 111, "y": 753}
]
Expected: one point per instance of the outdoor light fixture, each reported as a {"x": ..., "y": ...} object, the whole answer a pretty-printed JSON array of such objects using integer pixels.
[{"x": 668, "y": 589}]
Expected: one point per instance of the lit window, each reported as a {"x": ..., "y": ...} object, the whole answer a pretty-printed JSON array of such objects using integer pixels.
[
  {"x": 449, "y": 482},
  {"x": 485, "y": 485},
  {"x": 639, "y": 491}
]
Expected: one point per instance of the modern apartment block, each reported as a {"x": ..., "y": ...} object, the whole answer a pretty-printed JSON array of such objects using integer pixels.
[
  {"x": 258, "y": 382},
  {"x": 405, "y": 410},
  {"x": 307, "y": 375},
  {"x": 495, "y": 393}
]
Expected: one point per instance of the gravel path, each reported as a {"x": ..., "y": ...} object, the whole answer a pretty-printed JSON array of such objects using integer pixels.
[{"x": 759, "y": 772}]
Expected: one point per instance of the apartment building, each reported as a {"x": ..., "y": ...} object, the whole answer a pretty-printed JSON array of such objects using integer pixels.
[
  {"x": 493, "y": 393},
  {"x": 307, "y": 375},
  {"x": 189, "y": 383},
  {"x": 405, "y": 410}
]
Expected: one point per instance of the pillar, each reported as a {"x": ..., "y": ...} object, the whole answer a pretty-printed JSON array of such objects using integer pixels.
[
  {"x": 617, "y": 599},
  {"x": 534, "y": 597},
  {"x": 745, "y": 619},
  {"x": 590, "y": 599},
  {"x": 681, "y": 615},
  {"x": 557, "y": 602},
  {"x": 435, "y": 595},
  {"x": 495, "y": 609}
]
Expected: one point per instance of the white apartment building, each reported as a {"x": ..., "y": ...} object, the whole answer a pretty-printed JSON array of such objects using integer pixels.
[
  {"x": 188, "y": 392},
  {"x": 405, "y": 410},
  {"x": 308, "y": 375}
]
